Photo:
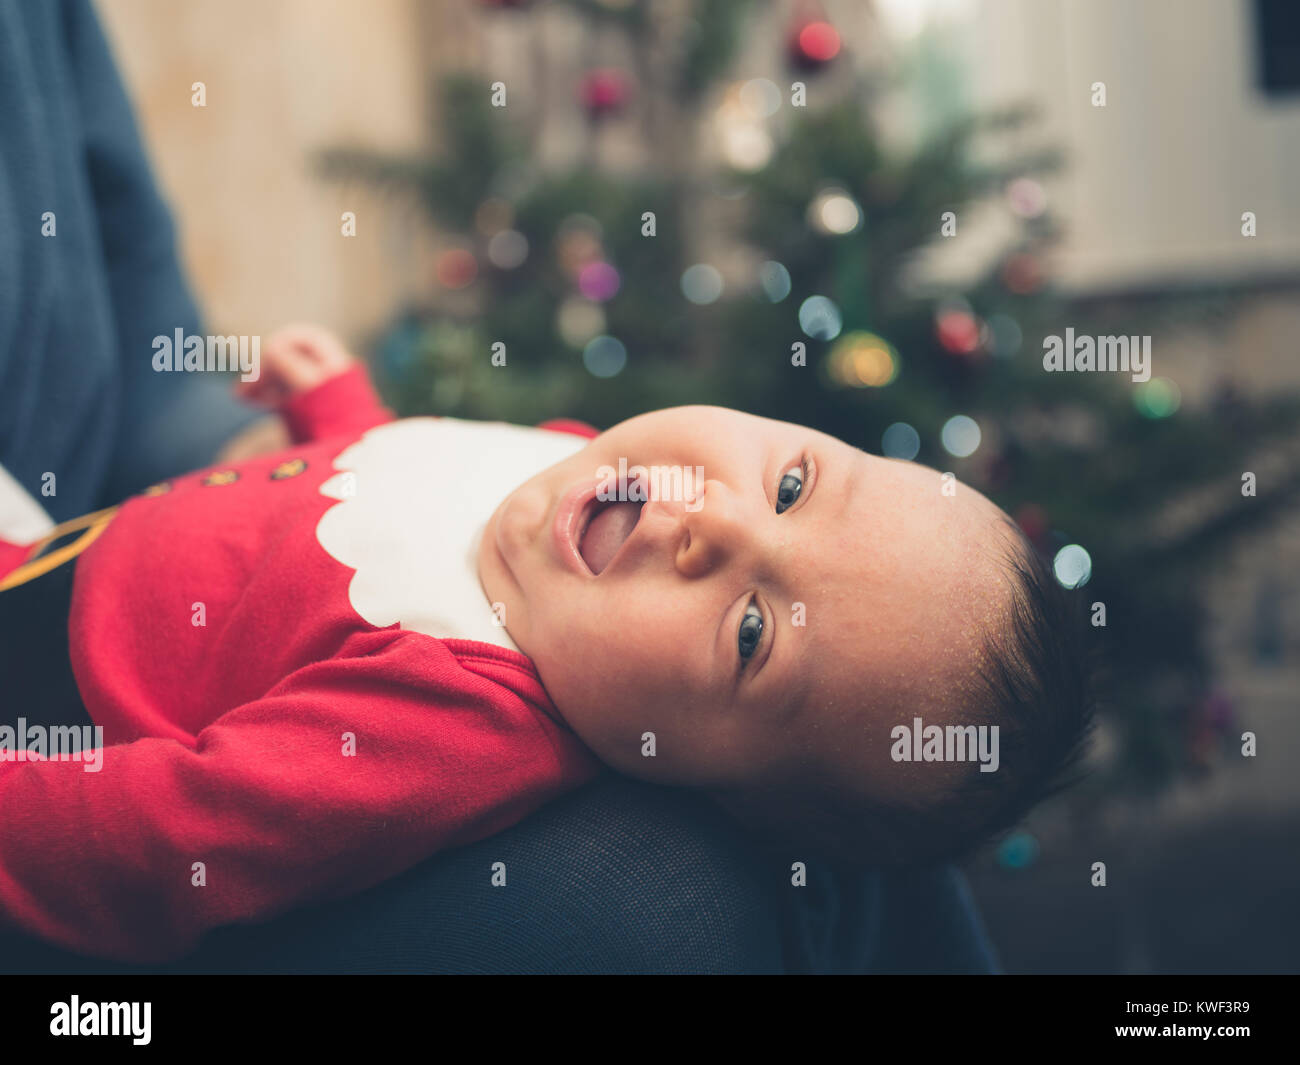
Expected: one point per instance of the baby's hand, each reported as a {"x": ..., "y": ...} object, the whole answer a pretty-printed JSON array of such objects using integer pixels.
[{"x": 295, "y": 359}]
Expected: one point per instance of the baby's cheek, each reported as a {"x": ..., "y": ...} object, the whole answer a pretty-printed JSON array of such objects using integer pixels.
[{"x": 617, "y": 660}]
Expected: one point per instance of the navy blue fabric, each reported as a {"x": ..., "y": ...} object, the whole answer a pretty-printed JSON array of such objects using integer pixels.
[
  {"x": 911, "y": 921},
  {"x": 619, "y": 877},
  {"x": 79, "y": 309}
]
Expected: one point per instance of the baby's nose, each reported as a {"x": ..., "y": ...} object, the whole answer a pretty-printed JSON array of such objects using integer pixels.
[{"x": 716, "y": 530}]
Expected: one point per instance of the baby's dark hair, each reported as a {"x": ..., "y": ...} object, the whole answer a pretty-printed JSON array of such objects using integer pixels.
[{"x": 1034, "y": 683}]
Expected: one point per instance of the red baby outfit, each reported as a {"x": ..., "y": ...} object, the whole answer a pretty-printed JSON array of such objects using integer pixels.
[{"x": 283, "y": 751}]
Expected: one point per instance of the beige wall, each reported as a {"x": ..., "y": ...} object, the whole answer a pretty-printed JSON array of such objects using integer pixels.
[
  {"x": 1157, "y": 180},
  {"x": 260, "y": 233}
]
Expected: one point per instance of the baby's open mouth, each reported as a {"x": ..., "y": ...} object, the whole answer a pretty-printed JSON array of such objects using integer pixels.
[{"x": 609, "y": 524}]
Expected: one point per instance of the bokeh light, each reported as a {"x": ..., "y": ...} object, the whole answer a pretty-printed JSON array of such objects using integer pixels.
[
  {"x": 604, "y": 356},
  {"x": 745, "y": 145},
  {"x": 598, "y": 281},
  {"x": 1072, "y": 566},
  {"x": 760, "y": 97},
  {"x": 834, "y": 212},
  {"x": 578, "y": 320},
  {"x": 863, "y": 360},
  {"x": 960, "y": 436},
  {"x": 1157, "y": 398},
  {"x": 819, "y": 41},
  {"x": 958, "y": 331},
  {"x": 900, "y": 441},
  {"x": 507, "y": 249},
  {"x": 1018, "y": 851},
  {"x": 819, "y": 318},
  {"x": 775, "y": 279},
  {"x": 1026, "y": 197},
  {"x": 739, "y": 127},
  {"x": 701, "y": 283},
  {"x": 455, "y": 268},
  {"x": 604, "y": 91}
]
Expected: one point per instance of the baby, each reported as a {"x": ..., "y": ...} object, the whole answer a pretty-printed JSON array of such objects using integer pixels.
[
  {"x": 796, "y": 637},
  {"x": 314, "y": 669}
]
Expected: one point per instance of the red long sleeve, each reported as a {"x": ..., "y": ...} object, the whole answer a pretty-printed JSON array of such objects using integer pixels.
[
  {"x": 228, "y": 655},
  {"x": 103, "y": 862},
  {"x": 346, "y": 403}
]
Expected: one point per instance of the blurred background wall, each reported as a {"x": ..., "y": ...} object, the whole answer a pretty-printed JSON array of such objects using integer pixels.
[
  {"x": 259, "y": 230},
  {"x": 1155, "y": 186},
  {"x": 1156, "y": 182}
]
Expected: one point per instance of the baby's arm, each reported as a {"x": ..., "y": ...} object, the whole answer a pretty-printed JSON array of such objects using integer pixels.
[
  {"x": 345, "y": 774},
  {"x": 315, "y": 383}
]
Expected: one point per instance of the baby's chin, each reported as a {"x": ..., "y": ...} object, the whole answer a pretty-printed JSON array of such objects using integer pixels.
[
  {"x": 513, "y": 554},
  {"x": 494, "y": 575}
]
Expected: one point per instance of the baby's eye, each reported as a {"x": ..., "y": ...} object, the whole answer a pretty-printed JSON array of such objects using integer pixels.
[
  {"x": 787, "y": 492},
  {"x": 751, "y": 631}
]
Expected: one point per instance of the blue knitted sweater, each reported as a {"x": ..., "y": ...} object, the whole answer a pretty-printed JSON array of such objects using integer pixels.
[{"x": 88, "y": 277}]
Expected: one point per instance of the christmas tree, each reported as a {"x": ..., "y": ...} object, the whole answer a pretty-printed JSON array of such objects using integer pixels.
[{"x": 587, "y": 292}]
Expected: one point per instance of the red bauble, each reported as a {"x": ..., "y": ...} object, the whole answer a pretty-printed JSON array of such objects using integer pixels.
[
  {"x": 455, "y": 268},
  {"x": 604, "y": 92},
  {"x": 813, "y": 44},
  {"x": 958, "y": 332}
]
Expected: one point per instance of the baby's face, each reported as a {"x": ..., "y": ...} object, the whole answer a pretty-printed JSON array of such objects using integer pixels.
[{"x": 801, "y": 602}]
